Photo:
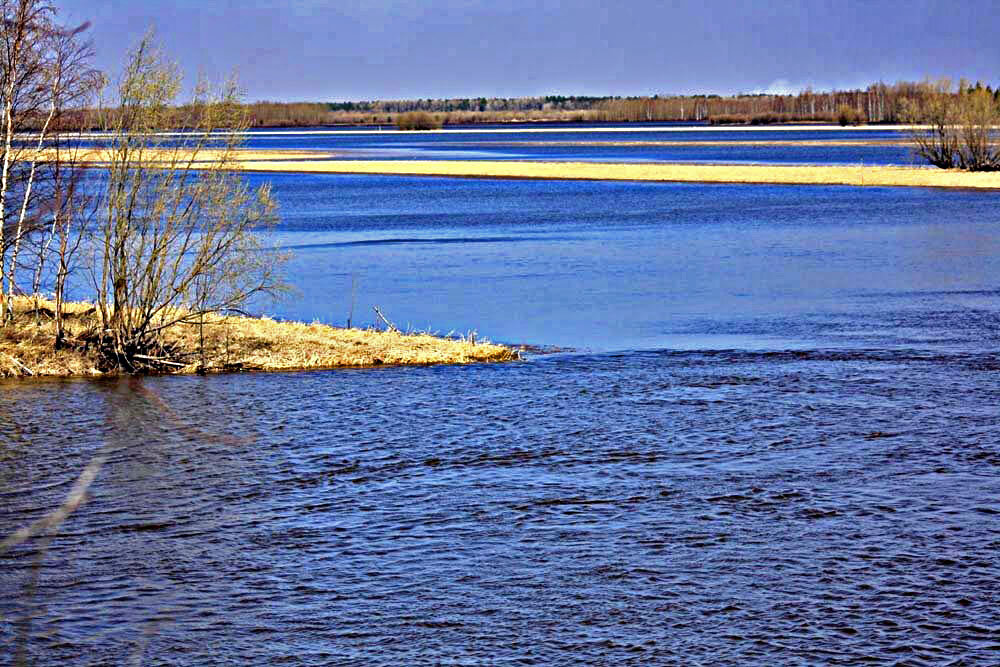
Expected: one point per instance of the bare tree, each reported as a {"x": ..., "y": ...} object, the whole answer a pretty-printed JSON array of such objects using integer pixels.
[
  {"x": 71, "y": 217},
  {"x": 43, "y": 73},
  {"x": 22, "y": 98},
  {"x": 938, "y": 141},
  {"x": 979, "y": 115},
  {"x": 177, "y": 234},
  {"x": 72, "y": 84},
  {"x": 958, "y": 127}
]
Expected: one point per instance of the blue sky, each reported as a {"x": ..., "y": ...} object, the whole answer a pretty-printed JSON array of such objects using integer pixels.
[{"x": 351, "y": 50}]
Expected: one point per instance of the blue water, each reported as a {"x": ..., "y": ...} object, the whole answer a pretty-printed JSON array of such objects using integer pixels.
[
  {"x": 594, "y": 144},
  {"x": 521, "y": 143},
  {"x": 611, "y": 266},
  {"x": 761, "y": 430}
]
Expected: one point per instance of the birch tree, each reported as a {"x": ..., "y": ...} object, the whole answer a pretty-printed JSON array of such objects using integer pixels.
[
  {"x": 43, "y": 72},
  {"x": 72, "y": 84},
  {"x": 24, "y": 24}
]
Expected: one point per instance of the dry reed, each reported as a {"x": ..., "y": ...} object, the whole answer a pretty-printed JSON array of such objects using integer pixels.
[{"x": 233, "y": 343}]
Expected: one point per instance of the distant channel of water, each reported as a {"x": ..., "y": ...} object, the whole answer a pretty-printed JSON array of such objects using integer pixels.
[
  {"x": 674, "y": 143},
  {"x": 599, "y": 145}
]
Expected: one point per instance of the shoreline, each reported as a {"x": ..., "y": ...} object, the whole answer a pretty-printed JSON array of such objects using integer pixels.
[
  {"x": 853, "y": 175},
  {"x": 235, "y": 344},
  {"x": 330, "y": 162}
]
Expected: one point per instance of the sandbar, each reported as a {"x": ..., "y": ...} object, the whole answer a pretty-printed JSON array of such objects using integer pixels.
[{"x": 855, "y": 175}]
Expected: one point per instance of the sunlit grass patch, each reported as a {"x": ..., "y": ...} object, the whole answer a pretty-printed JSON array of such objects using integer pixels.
[{"x": 230, "y": 343}]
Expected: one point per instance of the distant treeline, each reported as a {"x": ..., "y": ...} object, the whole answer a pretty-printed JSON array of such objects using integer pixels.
[
  {"x": 446, "y": 111},
  {"x": 878, "y": 103}
]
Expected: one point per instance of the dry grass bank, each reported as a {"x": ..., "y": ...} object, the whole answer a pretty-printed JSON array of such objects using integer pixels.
[
  {"x": 688, "y": 173},
  {"x": 232, "y": 344},
  {"x": 29, "y": 349}
]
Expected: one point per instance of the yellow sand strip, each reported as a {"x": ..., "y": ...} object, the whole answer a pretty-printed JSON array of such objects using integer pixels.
[
  {"x": 700, "y": 142},
  {"x": 688, "y": 173},
  {"x": 313, "y": 162}
]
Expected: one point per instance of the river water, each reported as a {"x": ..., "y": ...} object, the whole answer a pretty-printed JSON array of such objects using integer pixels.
[
  {"x": 671, "y": 142},
  {"x": 761, "y": 429}
]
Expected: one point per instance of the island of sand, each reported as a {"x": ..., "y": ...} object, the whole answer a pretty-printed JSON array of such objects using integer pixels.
[
  {"x": 321, "y": 162},
  {"x": 316, "y": 162},
  {"x": 855, "y": 175}
]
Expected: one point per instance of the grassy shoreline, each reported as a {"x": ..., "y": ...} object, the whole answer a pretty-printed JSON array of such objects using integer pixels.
[{"x": 233, "y": 344}]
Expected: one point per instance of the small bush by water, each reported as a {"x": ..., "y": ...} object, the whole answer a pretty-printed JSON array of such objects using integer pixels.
[
  {"x": 959, "y": 126},
  {"x": 417, "y": 120}
]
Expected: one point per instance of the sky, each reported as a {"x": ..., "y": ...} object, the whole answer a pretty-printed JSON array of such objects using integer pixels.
[{"x": 318, "y": 50}]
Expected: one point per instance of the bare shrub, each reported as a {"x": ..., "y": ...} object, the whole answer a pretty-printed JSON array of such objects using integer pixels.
[
  {"x": 177, "y": 236},
  {"x": 979, "y": 118},
  {"x": 848, "y": 115},
  {"x": 958, "y": 127},
  {"x": 417, "y": 120}
]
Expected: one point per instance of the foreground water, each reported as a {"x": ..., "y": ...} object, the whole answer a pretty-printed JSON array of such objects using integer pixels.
[{"x": 773, "y": 442}]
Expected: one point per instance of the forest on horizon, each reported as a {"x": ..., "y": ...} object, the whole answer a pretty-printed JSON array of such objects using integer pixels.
[{"x": 878, "y": 103}]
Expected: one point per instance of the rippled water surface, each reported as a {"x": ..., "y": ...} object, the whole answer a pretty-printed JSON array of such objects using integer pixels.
[
  {"x": 637, "y": 143},
  {"x": 640, "y": 142},
  {"x": 770, "y": 437}
]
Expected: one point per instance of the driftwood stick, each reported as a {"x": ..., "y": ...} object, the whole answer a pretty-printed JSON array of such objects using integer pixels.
[
  {"x": 46, "y": 312},
  {"x": 20, "y": 364},
  {"x": 392, "y": 327},
  {"x": 165, "y": 362}
]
